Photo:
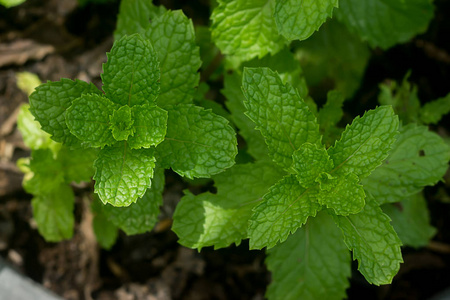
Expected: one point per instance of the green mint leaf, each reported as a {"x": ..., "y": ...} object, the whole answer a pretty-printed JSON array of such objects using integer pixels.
[
  {"x": 46, "y": 173},
  {"x": 284, "y": 208},
  {"x": 77, "y": 164},
  {"x": 105, "y": 231},
  {"x": 131, "y": 74},
  {"x": 309, "y": 162},
  {"x": 198, "y": 143},
  {"x": 256, "y": 146},
  {"x": 343, "y": 193},
  {"x": 172, "y": 34},
  {"x": 134, "y": 17},
  {"x": 121, "y": 123},
  {"x": 287, "y": 67},
  {"x": 33, "y": 136},
  {"x": 53, "y": 212},
  {"x": 222, "y": 219},
  {"x": 141, "y": 216},
  {"x": 312, "y": 264},
  {"x": 11, "y": 3},
  {"x": 150, "y": 125},
  {"x": 411, "y": 220},
  {"x": 297, "y": 20},
  {"x": 334, "y": 54},
  {"x": 245, "y": 29},
  {"x": 418, "y": 158},
  {"x": 123, "y": 174},
  {"x": 365, "y": 143},
  {"x": 279, "y": 113},
  {"x": 373, "y": 241},
  {"x": 89, "y": 120},
  {"x": 432, "y": 112},
  {"x": 48, "y": 104},
  {"x": 408, "y": 18}
]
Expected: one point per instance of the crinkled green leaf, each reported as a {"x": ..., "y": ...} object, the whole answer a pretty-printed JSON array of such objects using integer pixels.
[
  {"x": 222, "y": 219},
  {"x": 287, "y": 67},
  {"x": 105, "y": 231},
  {"x": 121, "y": 123},
  {"x": 134, "y": 17},
  {"x": 172, "y": 34},
  {"x": 365, "y": 143},
  {"x": 141, "y": 216},
  {"x": 131, "y": 74},
  {"x": 198, "y": 143},
  {"x": 256, "y": 146},
  {"x": 33, "y": 137},
  {"x": 123, "y": 174},
  {"x": 384, "y": 23},
  {"x": 343, "y": 194},
  {"x": 373, "y": 241},
  {"x": 48, "y": 104},
  {"x": 297, "y": 20},
  {"x": 403, "y": 98},
  {"x": 78, "y": 164},
  {"x": 53, "y": 212},
  {"x": 333, "y": 54},
  {"x": 411, "y": 220},
  {"x": 284, "y": 208},
  {"x": 312, "y": 264},
  {"x": 418, "y": 158},
  {"x": 279, "y": 113},
  {"x": 150, "y": 125},
  {"x": 46, "y": 173},
  {"x": 308, "y": 162},
  {"x": 432, "y": 112},
  {"x": 245, "y": 29},
  {"x": 89, "y": 120}
]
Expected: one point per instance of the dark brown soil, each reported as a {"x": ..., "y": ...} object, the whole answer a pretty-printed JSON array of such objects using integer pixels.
[{"x": 57, "y": 38}]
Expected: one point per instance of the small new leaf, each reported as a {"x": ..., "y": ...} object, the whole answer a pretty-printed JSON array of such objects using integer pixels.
[
  {"x": 150, "y": 125},
  {"x": 122, "y": 123},
  {"x": 309, "y": 162},
  {"x": 342, "y": 193}
]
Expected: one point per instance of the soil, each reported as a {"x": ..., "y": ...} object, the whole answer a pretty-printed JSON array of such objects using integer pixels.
[{"x": 58, "y": 38}]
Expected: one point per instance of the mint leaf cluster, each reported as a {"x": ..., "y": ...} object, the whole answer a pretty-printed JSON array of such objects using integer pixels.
[{"x": 127, "y": 121}]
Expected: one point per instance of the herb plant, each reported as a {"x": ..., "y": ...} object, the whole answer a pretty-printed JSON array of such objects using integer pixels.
[{"x": 307, "y": 189}]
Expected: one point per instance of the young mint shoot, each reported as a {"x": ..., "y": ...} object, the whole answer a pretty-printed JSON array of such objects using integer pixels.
[{"x": 127, "y": 124}]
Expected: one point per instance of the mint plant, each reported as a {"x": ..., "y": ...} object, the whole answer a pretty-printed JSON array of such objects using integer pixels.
[
  {"x": 127, "y": 124},
  {"x": 307, "y": 189}
]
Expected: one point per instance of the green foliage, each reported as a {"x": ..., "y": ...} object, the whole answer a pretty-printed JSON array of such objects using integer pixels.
[
  {"x": 305, "y": 187},
  {"x": 374, "y": 20},
  {"x": 127, "y": 124}
]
